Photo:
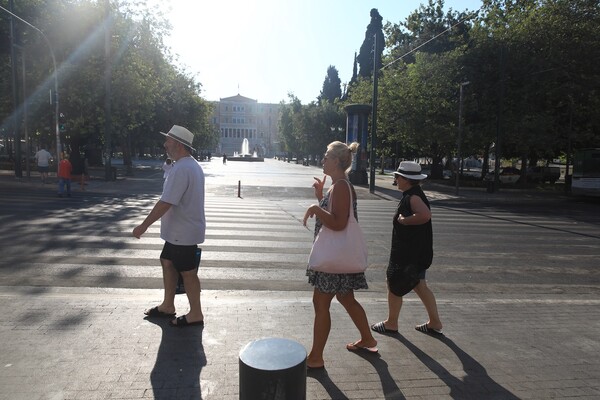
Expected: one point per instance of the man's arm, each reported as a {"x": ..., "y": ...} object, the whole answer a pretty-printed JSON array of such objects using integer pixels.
[{"x": 160, "y": 208}]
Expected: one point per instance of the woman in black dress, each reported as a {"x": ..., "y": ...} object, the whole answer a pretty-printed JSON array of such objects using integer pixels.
[{"x": 411, "y": 253}]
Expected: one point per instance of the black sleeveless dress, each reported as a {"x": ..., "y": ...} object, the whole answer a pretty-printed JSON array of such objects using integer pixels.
[{"x": 411, "y": 249}]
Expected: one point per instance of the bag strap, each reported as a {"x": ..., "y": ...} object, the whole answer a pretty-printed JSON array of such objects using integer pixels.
[{"x": 351, "y": 209}]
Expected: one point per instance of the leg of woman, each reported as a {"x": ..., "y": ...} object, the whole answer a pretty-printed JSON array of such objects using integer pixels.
[
  {"x": 394, "y": 307},
  {"x": 428, "y": 299},
  {"x": 322, "y": 326},
  {"x": 359, "y": 317},
  {"x": 390, "y": 325}
]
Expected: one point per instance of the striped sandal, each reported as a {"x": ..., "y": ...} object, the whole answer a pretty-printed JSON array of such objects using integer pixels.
[
  {"x": 425, "y": 329},
  {"x": 380, "y": 328}
]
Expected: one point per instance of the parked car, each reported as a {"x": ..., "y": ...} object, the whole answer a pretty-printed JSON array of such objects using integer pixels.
[
  {"x": 426, "y": 169},
  {"x": 505, "y": 175},
  {"x": 471, "y": 168}
]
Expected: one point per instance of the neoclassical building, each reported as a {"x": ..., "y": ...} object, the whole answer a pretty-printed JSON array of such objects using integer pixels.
[{"x": 238, "y": 118}]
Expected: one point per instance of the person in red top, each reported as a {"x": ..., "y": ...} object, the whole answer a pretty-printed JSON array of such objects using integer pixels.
[{"x": 64, "y": 176}]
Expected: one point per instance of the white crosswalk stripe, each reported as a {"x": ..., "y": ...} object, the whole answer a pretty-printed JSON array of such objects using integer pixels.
[{"x": 257, "y": 243}]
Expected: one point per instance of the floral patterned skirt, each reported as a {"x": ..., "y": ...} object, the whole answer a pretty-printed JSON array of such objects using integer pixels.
[{"x": 336, "y": 283}]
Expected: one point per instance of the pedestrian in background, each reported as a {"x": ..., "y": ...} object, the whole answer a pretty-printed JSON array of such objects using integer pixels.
[
  {"x": 411, "y": 252},
  {"x": 43, "y": 157},
  {"x": 166, "y": 167},
  {"x": 183, "y": 224},
  {"x": 64, "y": 176},
  {"x": 85, "y": 171},
  {"x": 80, "y": 168},
  {"x": 336, "y": 164}
]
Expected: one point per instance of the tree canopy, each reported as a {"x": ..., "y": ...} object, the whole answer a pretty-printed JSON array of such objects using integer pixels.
[
  {"x": 528, "y": 69},
  {"x": 147, "y": 92},
  {"x": 531, "y": 68}
]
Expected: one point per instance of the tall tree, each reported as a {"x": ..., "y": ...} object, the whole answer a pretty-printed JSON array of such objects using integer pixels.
[
  {"x": 307, "y": 129},
  {"x": 353, "y": 80},
  {"x": 366, "y": 55},
  {"x": 549, "y": 80},
  {"x": 286, "y": 125},
  {"x": 418, "y": 94},
  {"x": 332, "y": 88}
]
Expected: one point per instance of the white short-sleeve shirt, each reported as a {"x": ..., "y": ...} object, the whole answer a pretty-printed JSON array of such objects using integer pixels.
[
  {"x": 184, "y": 223},
  {"x": 43, "y": 158}
]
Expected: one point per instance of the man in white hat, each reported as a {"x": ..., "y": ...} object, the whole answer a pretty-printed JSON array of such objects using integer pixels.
[{"x": 183, "y": 224}]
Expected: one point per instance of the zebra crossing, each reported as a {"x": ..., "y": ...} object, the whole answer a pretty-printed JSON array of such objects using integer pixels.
[{"x": 260, "y": 243}]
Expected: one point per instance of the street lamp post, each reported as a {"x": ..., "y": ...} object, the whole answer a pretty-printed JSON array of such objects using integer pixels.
[
  {"x": 373, "y": 117},
  {"x": 459, "y": 139},
  {"x": 15, "y": 121},
  {"x": 27, "y": 166},
  {"x": 107, "y": 94}
]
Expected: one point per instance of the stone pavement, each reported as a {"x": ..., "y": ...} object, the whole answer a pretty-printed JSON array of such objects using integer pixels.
[
  {"x": 83, "y": 343},
  {"x": 529, "y": 341}
]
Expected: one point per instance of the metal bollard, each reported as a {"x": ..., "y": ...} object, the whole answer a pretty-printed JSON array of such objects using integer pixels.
[
  {"x": 273, "y": 369},
  {"x": 239, "y": 188}
]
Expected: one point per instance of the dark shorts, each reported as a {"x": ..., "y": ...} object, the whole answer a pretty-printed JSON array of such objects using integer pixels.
[
  {"x": 183, "y": 257},
  {"x": 43, "y": 169}
]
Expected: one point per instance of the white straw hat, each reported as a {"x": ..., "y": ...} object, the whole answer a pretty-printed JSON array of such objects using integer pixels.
[
  {"x": 182, "y": 135},
  {"x": 410, "y": 170}
]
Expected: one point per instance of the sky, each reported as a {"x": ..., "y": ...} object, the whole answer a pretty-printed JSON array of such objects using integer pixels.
[{"x": 266, "y": 49}]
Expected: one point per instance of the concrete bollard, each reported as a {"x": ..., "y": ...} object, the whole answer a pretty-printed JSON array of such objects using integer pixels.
[{"x": 273, "y": 369}]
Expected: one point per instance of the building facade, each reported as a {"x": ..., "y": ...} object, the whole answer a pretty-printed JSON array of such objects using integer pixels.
[{"x": 238, "y": 118}]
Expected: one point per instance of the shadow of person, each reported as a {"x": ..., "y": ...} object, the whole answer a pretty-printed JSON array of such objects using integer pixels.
[
  {"x": 476, "y": 384},
  {"x": 180, "y": 358},
  {"x": 391, "y": 391},
  {"x": 323, "y": 378}
]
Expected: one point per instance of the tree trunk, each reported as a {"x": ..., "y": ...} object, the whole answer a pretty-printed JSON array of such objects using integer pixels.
[{"x": 127, "y": 155}]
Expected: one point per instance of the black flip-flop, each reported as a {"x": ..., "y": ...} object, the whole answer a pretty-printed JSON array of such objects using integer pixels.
[
  {"x": 182, "y": 322},
  {"x": 154, "y": 312}
]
